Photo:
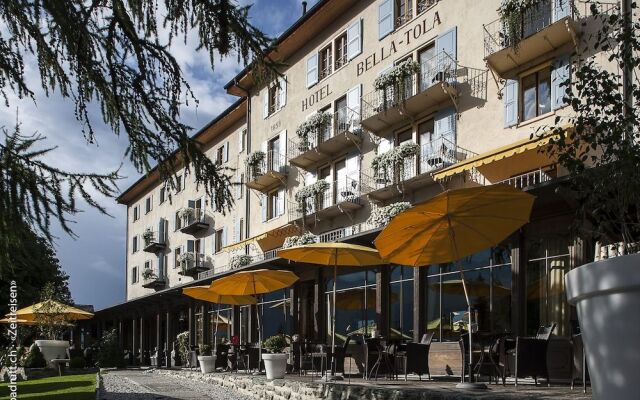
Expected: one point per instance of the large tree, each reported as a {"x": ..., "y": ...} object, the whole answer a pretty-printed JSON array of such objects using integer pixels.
[{"x": 116, "y": 55}]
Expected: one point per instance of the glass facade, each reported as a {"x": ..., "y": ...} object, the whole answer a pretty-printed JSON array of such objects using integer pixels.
[
  {"x": 355, "y": 304},
  {"x": 275, "y": 313},
  {"x": 401, "y": 303},
  {"x": 487, "y": 276}
]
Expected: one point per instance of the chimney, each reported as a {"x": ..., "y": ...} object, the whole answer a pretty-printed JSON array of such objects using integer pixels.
[{"x": 304, "y": 8}]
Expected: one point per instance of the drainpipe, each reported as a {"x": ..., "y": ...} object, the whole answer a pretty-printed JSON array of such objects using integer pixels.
[
  {"x": 126, "y": 259},
  {"x": 247, "y": 202},
  {"x": 627, "y": 73},
  {"x": 304, "y": 8}
]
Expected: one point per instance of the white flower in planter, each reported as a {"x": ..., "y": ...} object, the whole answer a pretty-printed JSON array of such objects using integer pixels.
[
  {"x": 240, "y": 260},
  {"x": 381, "y": 216},
  {"x": 310, "y": 192},
  {"x": 186, "y": 213},
  {"x": 315, "y": 124},
  {"x": 305, "y": 238}
]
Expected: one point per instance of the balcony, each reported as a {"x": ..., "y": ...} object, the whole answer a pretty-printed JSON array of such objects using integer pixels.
[
  {"x": 415, "y": 171},
  {"x": 542, "y": 30},
  {"x": 191, "y": 264},
  {"x": 531, "y": 179},
  {"x": 341, "y": 196},
  {"x": 323, "y": 144},
  {"x": 193, "y": 221},
  {"x": 269, "y": 172},
  {"x": 434, "y": 84},
  {"x": 151, "y": 280},
  {"x": 153, "y": 242}
]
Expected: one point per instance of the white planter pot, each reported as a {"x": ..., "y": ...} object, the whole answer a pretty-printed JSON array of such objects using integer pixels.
[
  {"x": 207, "y": 364},
  {"x": 53, "y": 349},
  {"x": 275, "y": 365},
  {"x": 607, "y": 296}
]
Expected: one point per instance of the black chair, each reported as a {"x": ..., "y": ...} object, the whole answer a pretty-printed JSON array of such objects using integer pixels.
[
  {"x": 427, "y": 338},
  {"x": 579, "y": 368},
  {"x": 371, "y": 350},
  {"x": 530, "y": 355},
  {"x": 417, "y": 360},
  {"x": 222, "y": 356}
]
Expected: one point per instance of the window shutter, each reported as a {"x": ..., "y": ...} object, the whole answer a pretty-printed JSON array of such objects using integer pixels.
[
  {"x": 561, "y": 9},
  {"x": 310, "y": 179},
  {"x": 445, "y": 124},
  {"x": 280, "y": 205},
  {"x": 385, "y": 18},
  {"x": 352, "y": 164},
  {"x": 354, "y": 39},
  {"x": 447, "y": 42},
  {"x": 280, "y": 162},
  {"x": 226, "y": 151},
  {"x": 265, "y": 104},
  {"x": 353, "y": 105},
  {"x": 510, "y": 100},
  {"x": 312, "y": 70},
  {"x": 560, "y": 73},
  {"x": 160, "y": 265},
  {"x": 161, "y": 230},
  {"x": 238, "y": 229},
  {"x": 384, "y": 146},
  {"x": 241, "y": 141},
  {"x": 282, "y": 93},
  {"x": 263, "y": 206}
]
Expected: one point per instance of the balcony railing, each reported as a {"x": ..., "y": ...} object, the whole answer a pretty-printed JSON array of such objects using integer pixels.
[
  {"x": 268, "y": 173},
  {"x": 499, "y": 41},
  {"x": 192, "y": 267},
  {"x": 434, "y": 155},
  {"x": 194, "y": 221},
  {"x": 341, "y": 195},
  {"x": 424, "y": 5},
  {"x": 154, "y": 242},
  {"x": 322, "y": 144},
  {"x": 529, "y": 179},
  {"x": 436, "y": 82},
  {"x": 151, "y": 279}
]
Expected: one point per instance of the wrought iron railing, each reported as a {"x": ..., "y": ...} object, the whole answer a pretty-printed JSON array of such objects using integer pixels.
[
  {"x": 424, "y": 5},
  {"x": 498, "y": 37},
  {"x": 198, "y": 261},
  {"x": 153, "y": 237},
  {"x": 339, "y": 191},
  {"x": 437, "y": 69},
  {"x": 343, "y": 120},
  {"x": 273, "y": 161},
  {"x": 195, "y": 216},
  {"x": 152, "y": 275},
  {"x": 528, "y": 179}
]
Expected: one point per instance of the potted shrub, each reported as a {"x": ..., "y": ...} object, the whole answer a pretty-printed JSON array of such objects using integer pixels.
[
  {"x": 206, "y": 360},
  {"x": 147, "y": 236},
  {"x": 254, "y": 162},
  {"x": 316, "y": 124},
  {"x": 52, "y": 322},
  {"x": 182, "y": 340},
  {"x": 275, "y": 361},
  {"x": 148, "y": 275},
  {"x": 602, "y": 155}
]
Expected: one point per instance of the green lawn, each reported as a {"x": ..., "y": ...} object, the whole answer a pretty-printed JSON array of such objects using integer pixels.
[{"x": 68, "y": 387}]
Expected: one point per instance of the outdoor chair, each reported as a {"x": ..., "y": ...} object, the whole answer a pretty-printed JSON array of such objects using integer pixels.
[
  {"x": 530, "y": 355},
  {"x": 417, "y": 360},
  {"x": 302, "y": 360},
  {"x": 464, "y": 349},
  {"x": 370, "y": 349},
  {"x": 427, "y": 338},
  {"x": 579, "y": 368},
  {"x": 222, "y": 352}
]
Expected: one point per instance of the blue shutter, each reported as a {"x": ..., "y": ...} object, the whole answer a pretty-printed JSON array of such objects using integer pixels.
[
  {"x": 385, "y": 18},
  {"x": 561, "y": 9},
  {"x": 312, "y": 70},
  {"x": 447, "y": 43},
  {"x": 560, "y": 74},
  {"x": 445, "y": 124},
  {"x": 510, "y": 100},
  {"x": 354, "y": 39}
]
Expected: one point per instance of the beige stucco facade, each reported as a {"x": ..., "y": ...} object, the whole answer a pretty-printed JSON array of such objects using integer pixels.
[{"x": 462, "y": 99}]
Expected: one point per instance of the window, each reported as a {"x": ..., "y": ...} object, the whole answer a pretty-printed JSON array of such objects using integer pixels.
[
  {"x": 134, "y": 244},
  {"x": 136, "y": 213},
  {"x": 273, "y": 154},
  {"x": 178, "y": 183},
  {"x": 536, "y": 94},
  {"x": 176, "y": 257},
  {"x": 134, "y": 275},
  {"x": 428, "y": 67},
  {"x": 219, "y": 240},
  {"x": 273, "y": 99},
  {"x": 219, "y": 155},
  {"x": 148, "y": 205},
  {"x": 178, "y": 221},
  {"x": 404, "y": 11},
  {"x": 272, "y": 204},
  {"x": 341, "y": 50},
  {"x": 147, "y": 264},
  {"x": 325, "y": 62},
  {"x": 163, "y": 194}
]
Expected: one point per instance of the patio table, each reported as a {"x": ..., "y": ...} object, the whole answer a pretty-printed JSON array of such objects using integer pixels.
[{"x": 486, "y": 341}]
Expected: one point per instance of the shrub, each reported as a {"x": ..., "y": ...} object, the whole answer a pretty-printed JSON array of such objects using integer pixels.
[
  {"x": 77, "y": 362},
  {"x": 110, "y": 354},
  {"x": 275, "y": 344},
  {"x": 183, "y": 346},
  {"x": 35, "y": 359},
  {"x": 205, "y": 350}
]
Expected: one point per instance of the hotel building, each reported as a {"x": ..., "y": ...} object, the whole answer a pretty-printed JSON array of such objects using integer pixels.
[{"x": 470, "y": 105}]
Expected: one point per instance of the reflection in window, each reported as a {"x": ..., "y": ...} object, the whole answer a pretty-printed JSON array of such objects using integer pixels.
[
  {"x": 536, "y": 94},
  {"x": 401, "y": 302},
  {"x": 224, "y": 319},
  {"x": 275, "y": 311}
]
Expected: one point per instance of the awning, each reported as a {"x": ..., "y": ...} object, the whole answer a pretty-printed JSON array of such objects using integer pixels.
[
  {"x": 496, "y": 154},
  {"x": 267, "y": 240}
]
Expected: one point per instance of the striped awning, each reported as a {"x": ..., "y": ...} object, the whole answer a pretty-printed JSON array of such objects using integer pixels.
[
  {"x": 497, "y": 154},
  {"x": 267, "y": 240}
]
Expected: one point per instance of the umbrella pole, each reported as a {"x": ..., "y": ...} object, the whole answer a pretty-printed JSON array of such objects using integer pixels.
[{"x": 258, "y": 318}]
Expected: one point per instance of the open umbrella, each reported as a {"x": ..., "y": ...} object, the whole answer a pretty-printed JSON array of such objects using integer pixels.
[
  {"x": 333, "y": 255},
  {"x": 52, "y": 309},
  {"x": 205, "y": 293},
  {"x": 455, "y": 224},
  {"x": 251, "y": 283}
]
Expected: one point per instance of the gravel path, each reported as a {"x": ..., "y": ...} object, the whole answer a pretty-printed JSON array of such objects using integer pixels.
[{"x": 140, "y": 385}]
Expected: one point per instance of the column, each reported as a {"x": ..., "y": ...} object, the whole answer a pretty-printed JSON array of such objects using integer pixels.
[
  {"x": 192, "y": 322},
  {"x": 382, "y": 301},
  {"x": 419, "y": 303},
  {"x": 206, "y": 324},
  {"x": 143, "y": 341},
  {"x": 168, "y": 346},
  {"x": 518, "y": 285},
  {"x": 235, "y": 325},
  {"x": 319, "y": 325},
  {"x": 134, "y": 344},
  {"x": 293, "y": 309},
  {"x": 158, "y": 331},
  {"x": 253, "y": 323},
  {"x": 120, "y": 333}
]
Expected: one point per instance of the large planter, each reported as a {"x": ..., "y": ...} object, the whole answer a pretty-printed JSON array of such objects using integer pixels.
[
  {"x": 207, "y": 364},
  {"x": 275, "y": 365},
  {"x": 53, "y": 349},
  {"x": 607, "y": 296}
]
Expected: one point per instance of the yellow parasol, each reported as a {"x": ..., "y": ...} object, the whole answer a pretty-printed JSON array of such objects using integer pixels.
[
  {"x": 205, "y": 293},
  {"x": 455, "y": 224},
  {"x": 333, "y": 255},
  {"x": 251, "y": 283},
  {"x": 16, "y": 321},
  {"x": 52, "y": 309}
]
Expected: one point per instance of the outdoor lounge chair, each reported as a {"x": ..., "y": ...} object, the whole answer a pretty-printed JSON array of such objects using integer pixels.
[
  {"x": 417, "y": 360},
  {"x": 530, "y": 355}
]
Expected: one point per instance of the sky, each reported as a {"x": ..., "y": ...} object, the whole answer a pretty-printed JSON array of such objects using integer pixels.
[{"x": 95, "y": 260}]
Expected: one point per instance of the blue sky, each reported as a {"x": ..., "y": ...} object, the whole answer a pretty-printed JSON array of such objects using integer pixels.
[{"x": 95, "y": 260}]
